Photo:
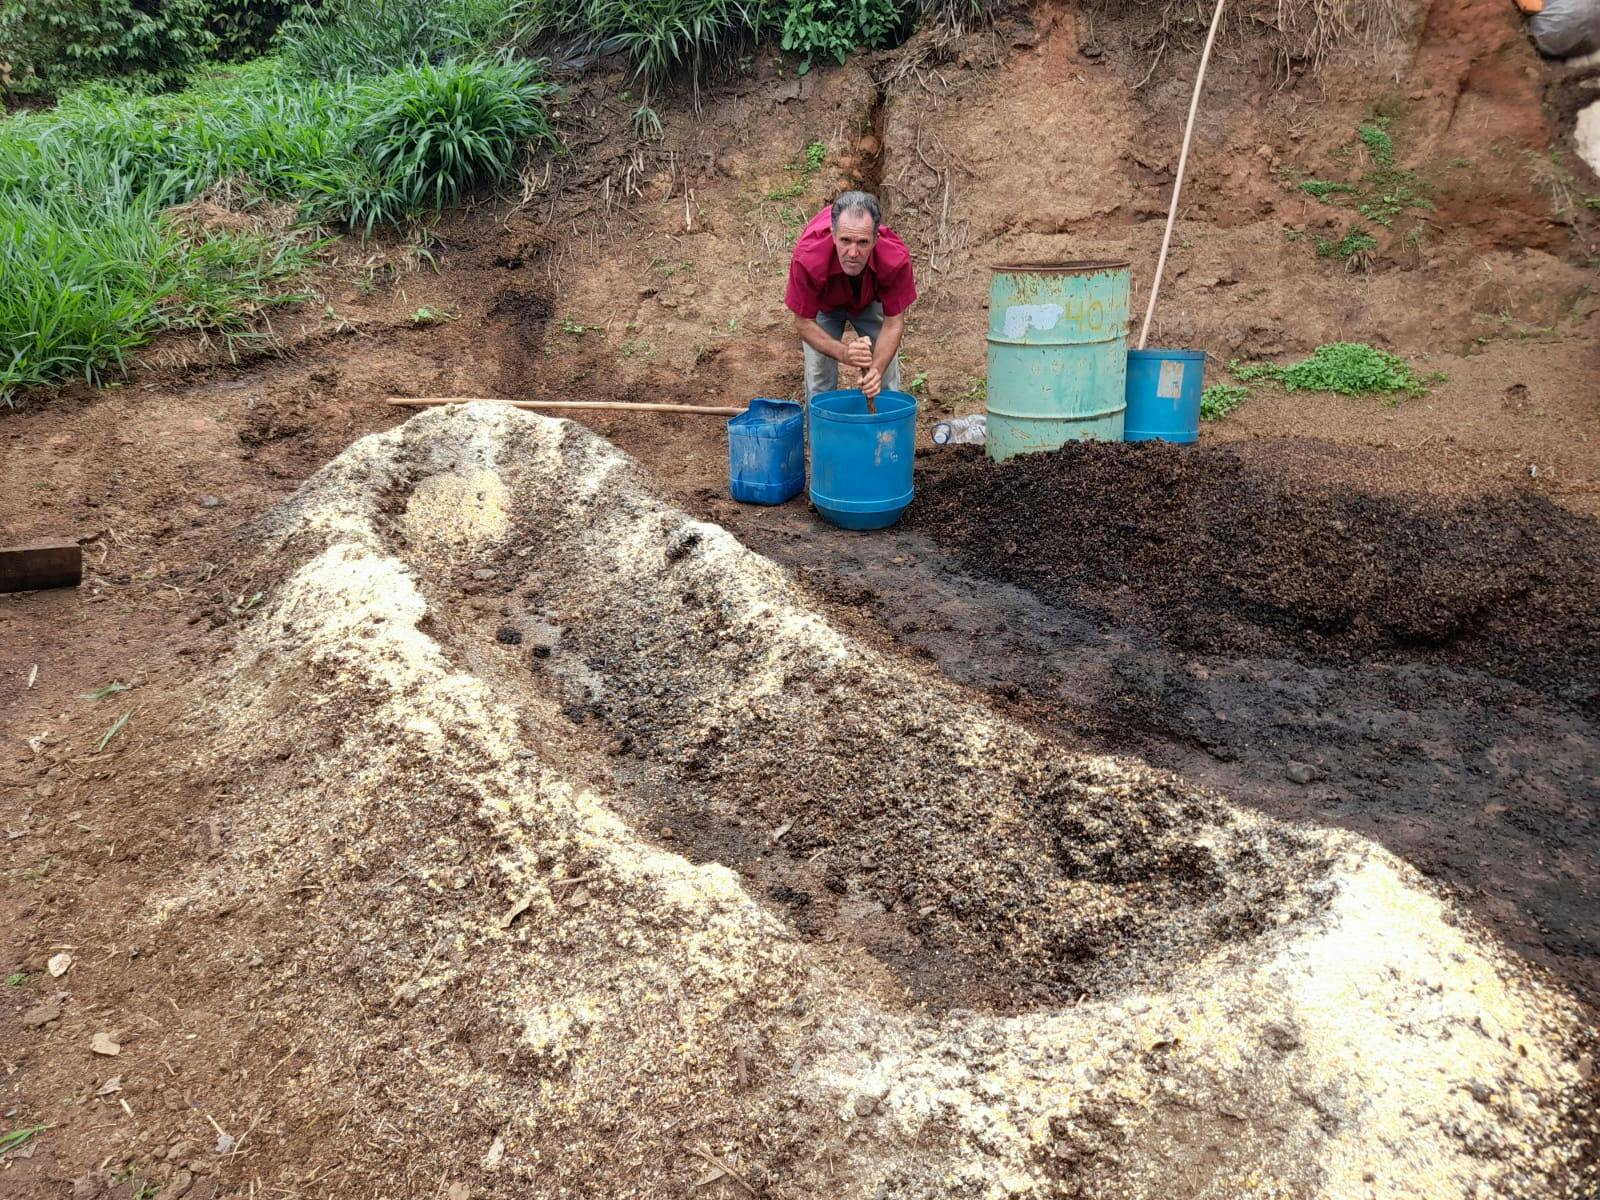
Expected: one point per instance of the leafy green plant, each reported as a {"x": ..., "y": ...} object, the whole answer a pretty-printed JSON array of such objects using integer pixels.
[
  {"x": 50, "y": 44},
  {"x": 17, "y": 979},
  {"x": 816, "y": 155},
  {"x": 1389, "y": 193},
  {"x": 1354, "y": 244},
  {"x": 832, "y": 28},
  {"x": 1219, "y": 399},
  {"x": 1348, "y": 368},
  {"x": 434, "y": 316},
  {"x": 1375, "y": 137}
]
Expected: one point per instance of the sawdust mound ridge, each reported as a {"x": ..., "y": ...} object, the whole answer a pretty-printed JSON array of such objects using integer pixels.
[{"x": 446, "y": 781}]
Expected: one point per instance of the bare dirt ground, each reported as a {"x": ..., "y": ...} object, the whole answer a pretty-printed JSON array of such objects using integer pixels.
[{"x": 656, "y": 275}]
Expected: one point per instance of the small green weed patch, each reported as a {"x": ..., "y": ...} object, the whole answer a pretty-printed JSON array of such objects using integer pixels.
[
  {"x": 1348, "y": 368},
  {"x": 1381, "y": 196},
  {"x": 1220, "y": 399},
  {"x": 1375, "y": 137},
  {"x": 1322, "y": 188},
  {"x": 1351, "y": 246}
]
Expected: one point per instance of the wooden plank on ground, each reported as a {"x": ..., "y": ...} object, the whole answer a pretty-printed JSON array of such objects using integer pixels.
[
  {"x": 40, "y": 565},
  {"x": 703, "y": 410}
]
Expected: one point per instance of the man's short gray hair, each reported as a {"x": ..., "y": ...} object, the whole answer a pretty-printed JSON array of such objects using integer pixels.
[{"x": 858, "y": 202}]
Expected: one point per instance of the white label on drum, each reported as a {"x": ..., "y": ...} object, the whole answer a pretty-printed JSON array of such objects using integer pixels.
[
  {"x": 1170, "y": 384},
  {"x": 1019, "y": 317}
]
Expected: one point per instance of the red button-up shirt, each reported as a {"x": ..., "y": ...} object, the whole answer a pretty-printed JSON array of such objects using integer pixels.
[{"x": 817, "y": 282}]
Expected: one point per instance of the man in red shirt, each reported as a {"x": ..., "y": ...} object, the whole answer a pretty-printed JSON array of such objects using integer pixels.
[{"x": 848, "y": 266}]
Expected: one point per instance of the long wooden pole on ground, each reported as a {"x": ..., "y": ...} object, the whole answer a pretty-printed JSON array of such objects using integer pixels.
[
  {"x": 705, "y": 410},
  {"x": 1177, "y": 184}
]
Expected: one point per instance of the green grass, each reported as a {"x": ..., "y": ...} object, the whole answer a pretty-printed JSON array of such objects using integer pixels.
[
  {"x": 1348, "y": 368},
  {"x": 18, "y": 1138},
  {"x": 1220, "y": 399},
  {"x": 97, "y": 260}
]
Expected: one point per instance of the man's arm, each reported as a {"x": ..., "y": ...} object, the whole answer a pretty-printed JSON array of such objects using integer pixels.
[
  {"x": 820, "y": 340},
  {"x": 888, "y": 344}
]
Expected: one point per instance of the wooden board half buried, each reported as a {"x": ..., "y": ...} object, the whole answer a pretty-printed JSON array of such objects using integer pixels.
[{"x": 40, "y": 565}]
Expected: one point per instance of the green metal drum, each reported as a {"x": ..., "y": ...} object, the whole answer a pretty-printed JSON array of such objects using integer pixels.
[{"x": 1058, "y": 355}]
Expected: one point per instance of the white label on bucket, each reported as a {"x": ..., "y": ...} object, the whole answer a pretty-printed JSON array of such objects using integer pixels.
[
  {"x": 1169, "y": 386},
  {"x": 1040, "y": 316}
]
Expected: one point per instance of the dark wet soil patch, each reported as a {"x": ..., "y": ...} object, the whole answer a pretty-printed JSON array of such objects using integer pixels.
[
  {"x": 1245, "y": 549},
  {"x": 1489, "y": 787}
]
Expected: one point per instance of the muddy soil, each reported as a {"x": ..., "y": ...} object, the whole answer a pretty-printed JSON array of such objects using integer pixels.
[
  {"x": 1272, "y": 546},
  {"x": 1489, "y": 785}
]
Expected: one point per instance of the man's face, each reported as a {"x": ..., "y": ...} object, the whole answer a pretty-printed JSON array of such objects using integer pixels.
[{"x": 853, "y": 237}]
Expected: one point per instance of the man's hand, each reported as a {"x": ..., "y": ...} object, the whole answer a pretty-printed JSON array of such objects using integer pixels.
[
  {"x": 859, "y": 353},
  {"x": 871, "y": 385}
]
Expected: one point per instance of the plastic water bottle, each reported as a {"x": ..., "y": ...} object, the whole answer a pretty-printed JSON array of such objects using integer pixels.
[{"x": 961, "y": 431}]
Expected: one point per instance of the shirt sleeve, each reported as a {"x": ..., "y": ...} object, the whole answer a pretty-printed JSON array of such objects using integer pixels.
[
  {"x": 803, "y": 297},
  {"x": 899, "y": 291}
]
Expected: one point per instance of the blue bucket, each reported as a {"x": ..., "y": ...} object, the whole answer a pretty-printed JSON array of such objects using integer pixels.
[
  {"x": 1164, "y": 389},
  {"x": 767, "y": 452},
  {"x": 860, "y": 460}
]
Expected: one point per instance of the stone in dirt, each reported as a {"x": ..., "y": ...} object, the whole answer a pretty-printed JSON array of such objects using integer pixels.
[
  {"x": 104, "y": 1043},
  {"x": 41, "y": 1014},
  {"x": 1299, "y": 772}
]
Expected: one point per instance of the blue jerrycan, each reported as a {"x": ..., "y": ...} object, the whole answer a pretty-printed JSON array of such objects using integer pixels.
[{"x": 767, "y": 452}]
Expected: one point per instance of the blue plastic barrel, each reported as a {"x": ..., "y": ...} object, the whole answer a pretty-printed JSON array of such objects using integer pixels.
[
  {"x": 767, "y": 452},
  {"x": 1164, "y": 389},
  {"x": 860, "y": 460},
  {"x": 1058, "y": 355}
]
